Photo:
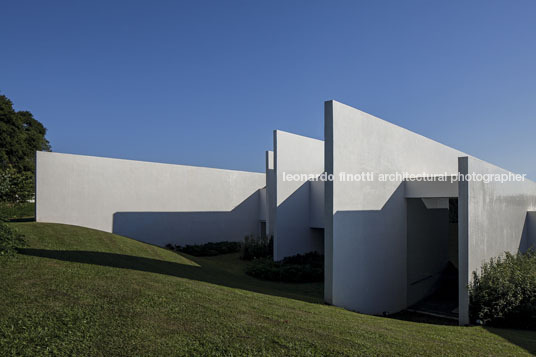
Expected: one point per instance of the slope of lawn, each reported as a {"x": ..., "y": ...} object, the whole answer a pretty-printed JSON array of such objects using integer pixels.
[{"x": 76, "y": 291}]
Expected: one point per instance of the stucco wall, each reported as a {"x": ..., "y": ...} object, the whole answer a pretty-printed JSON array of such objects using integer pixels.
[
  {"x": 366, "y": 221},
  {"x": 316, "y": 204},
  {"x": 263, "y": 206},
  {"x": 493, "y": 220},
  {"x": 531, "y": 219},
  {"x": 151, "y": 202},
  {"x": 270, "y": 192},
  {"x": 295, "y": 154}
]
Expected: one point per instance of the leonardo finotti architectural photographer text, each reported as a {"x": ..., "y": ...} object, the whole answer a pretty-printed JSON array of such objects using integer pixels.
[{"x": 405, "y": 176}]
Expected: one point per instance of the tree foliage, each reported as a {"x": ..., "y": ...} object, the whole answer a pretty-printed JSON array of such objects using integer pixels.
[{"x": 21, "y": 135}]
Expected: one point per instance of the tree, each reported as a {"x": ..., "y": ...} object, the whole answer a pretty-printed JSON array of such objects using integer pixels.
[{"x": 21, "y": 135}]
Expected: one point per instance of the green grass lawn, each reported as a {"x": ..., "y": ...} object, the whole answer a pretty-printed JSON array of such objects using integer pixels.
[{"x": 76, "y": 291}]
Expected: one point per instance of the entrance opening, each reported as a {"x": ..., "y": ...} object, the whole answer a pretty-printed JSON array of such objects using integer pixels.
[
  {"x": 262, "y": 230},
  {"x": 432, "y": 256}
]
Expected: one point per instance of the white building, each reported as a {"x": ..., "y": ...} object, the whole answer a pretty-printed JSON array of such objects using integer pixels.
[{"x": 395, "y": 223}]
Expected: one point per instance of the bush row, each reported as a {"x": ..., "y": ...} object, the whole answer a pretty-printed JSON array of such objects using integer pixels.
[
  {"x": 252, "y": 248},
  {"x": 13, "y": 211},
  {"x": 257, "y": 247},
  {"x": 208, "y": 249},
  {"x": 296, "y": 269}
]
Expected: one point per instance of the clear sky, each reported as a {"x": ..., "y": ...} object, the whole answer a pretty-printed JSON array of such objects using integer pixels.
[{"x": 205, "y": 82}]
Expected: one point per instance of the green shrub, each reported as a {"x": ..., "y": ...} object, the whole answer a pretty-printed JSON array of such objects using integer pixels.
[
  {"x": 257, "y": 247},
  {"x": 16, "y": 187},
  {"x": 208, "y": 249},
  {"x": 9, "y": 211},
  {"x": 9, "y": 240},
  {"x": 504, "y": 293},
  {"x": 296, "y": 269}
]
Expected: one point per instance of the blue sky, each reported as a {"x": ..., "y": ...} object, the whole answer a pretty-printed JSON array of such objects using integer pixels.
[{"x": 206, "y": 82}]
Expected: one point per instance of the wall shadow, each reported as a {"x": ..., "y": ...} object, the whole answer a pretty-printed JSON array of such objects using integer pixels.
[
  {"x": 528, "y": 235},
  {"x": 525, "y": 339},
  {"x": 294, "y": 234},
  {"x": 412, "y": 316},
  {"x": 183, "y": 228},
  {"x": 524, "y": 242},
  {"x": 206, "y": 271},
  {"x": 397, "y": 256},
  {"x": 19, "y": 220},
  {"x": 371, "y": 244}
]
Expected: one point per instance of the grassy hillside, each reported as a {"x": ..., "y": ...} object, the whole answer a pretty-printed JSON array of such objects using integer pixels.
[{"x": 76, "y": 291}]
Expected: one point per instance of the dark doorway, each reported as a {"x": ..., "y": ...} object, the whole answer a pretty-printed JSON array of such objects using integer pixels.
[
  {"x": 262, "y": 228},
  {"x": 432, "y": 256}
]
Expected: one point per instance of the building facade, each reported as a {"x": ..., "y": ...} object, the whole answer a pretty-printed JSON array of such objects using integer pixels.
[{"x": 386, "y": 207}]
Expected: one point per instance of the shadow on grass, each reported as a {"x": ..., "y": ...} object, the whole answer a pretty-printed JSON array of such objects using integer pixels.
[
  {"x": 525, "y": 339},
  {"x": 200, "y": 273},
  {"x": 25, "y": 219},
  {"x": 423, "y": 318}
]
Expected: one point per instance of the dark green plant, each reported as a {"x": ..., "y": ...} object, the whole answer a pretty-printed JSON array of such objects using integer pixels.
[
  {"x": 21, "y": 135},
  {"x": 257, "y": 247},
  {"x": 208, "y": 249},
  {"x": 504, "y": 293},
  {"x": 13, "y": 211},
  {"x": 295, "y": 269},
  {"x": 10, "y": 239},
  {"x": 16, "y": 187}
]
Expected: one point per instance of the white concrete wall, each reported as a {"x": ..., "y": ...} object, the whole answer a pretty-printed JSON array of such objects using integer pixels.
[
  {"x": 493, "y": 220},
  {"x": 151, "y": 202},
  {"x": 263, "y": 206},
  {"x": 316, "y": 204},
  {"x": 365, "y": 235},
  {"x": 531, "y": 219},
  {"x": 295, "y": 154},
  {"x": 270, "y": 192},
  {"x": 432, "y": 189}
]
